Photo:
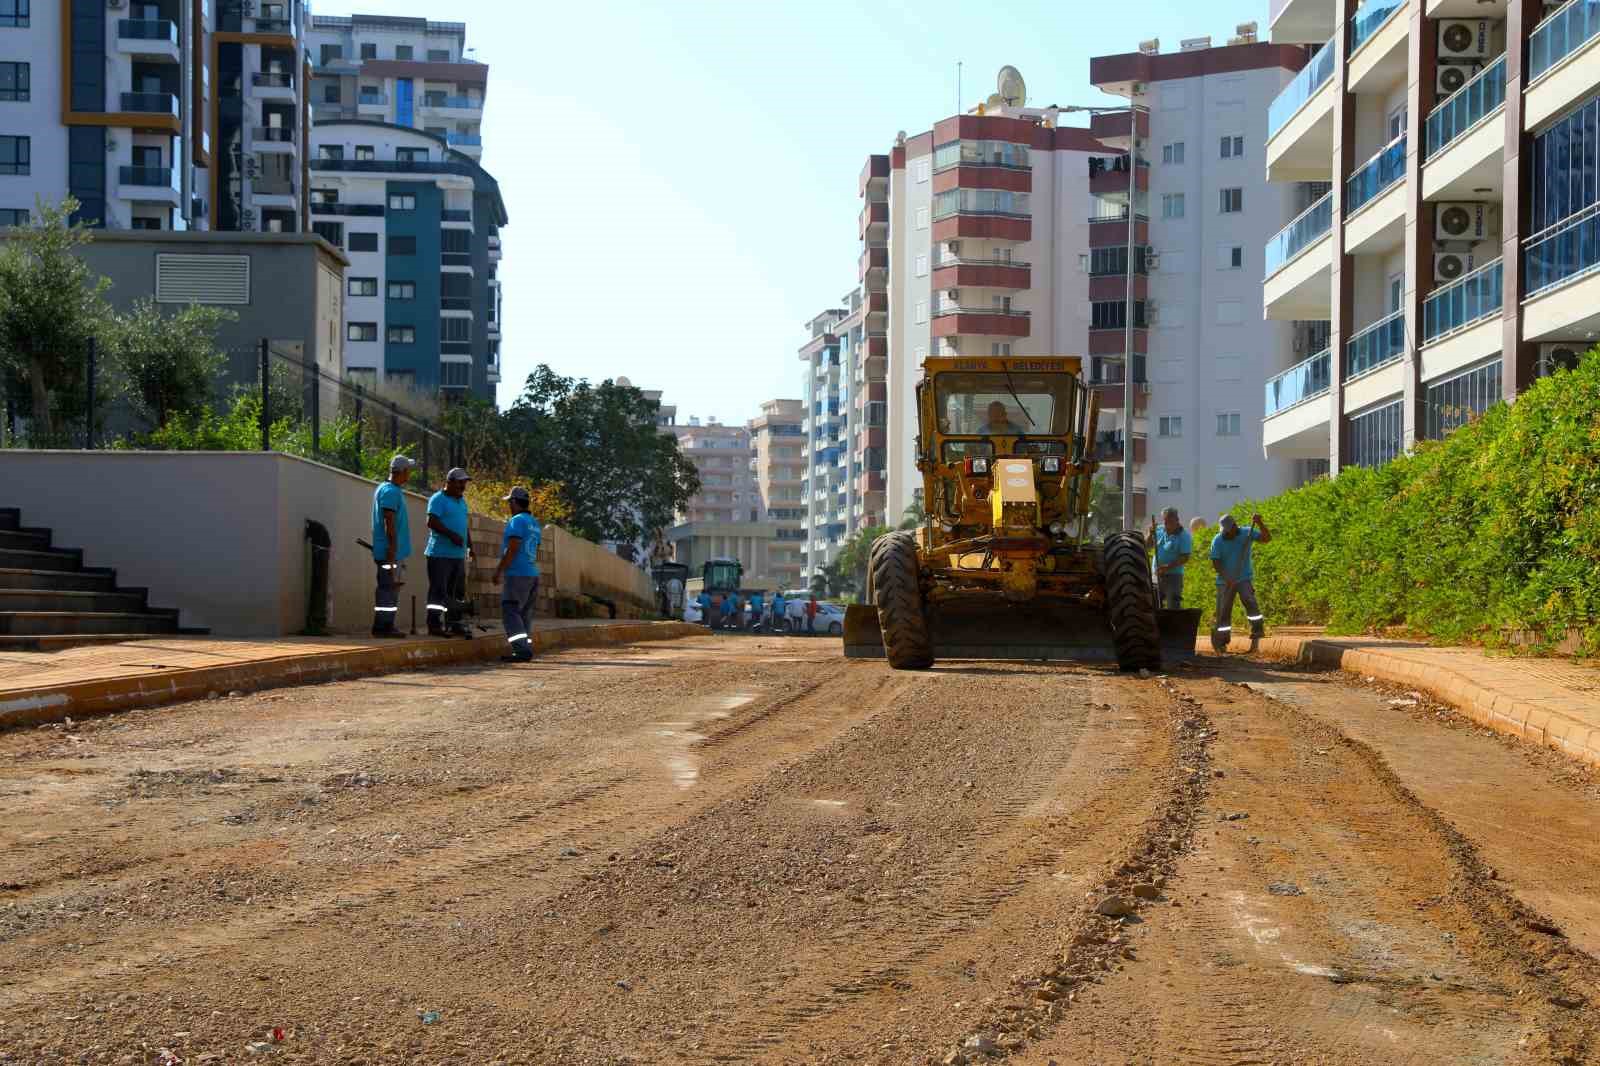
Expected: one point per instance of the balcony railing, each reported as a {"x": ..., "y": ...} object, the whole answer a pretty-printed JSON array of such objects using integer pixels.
[
  {"x": 373, "y": 100},
  {"x": 1313, "y": 76},
  {"x": 1378, "y": 345},
  {"x": 1297, "y": 236},
  {"x": 471, "y": 140},
  {"x": 1568, "y": 250},
  {"x": 1304, "y": 381},
  {"x": 351, "y": 210},
  {"x": 951, "y": 309},
  {"x": 277, "y": 134},
  {"x": 1369, "y": 18},
  {"x": 453, "y": 103},
  {"x": 148, "y": 177},
  {"x": 150, "y": 103},
  {"x": 148, "y": 30},
  {"x": 1562, "y": 34},
  {"x": 1466, "y": 107},
  {"x": 960, "y": 262},
  {"x": 1380, "y": 172},
  {"x": 272, "y": 79},
  {"x": 1468, "y": 299},
  {"x": 274, "y": 187},
  {"x": 454, "y": 215},
  {"x": 392, "y": 166}
]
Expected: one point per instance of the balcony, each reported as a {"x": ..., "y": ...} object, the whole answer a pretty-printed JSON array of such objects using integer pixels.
[
  {"x": 373, "y": 105},
  {"x": 165, "y": 104},
  {"x": 1377, "y": 60},
  {"x": 1461, "y": 323},
  {"x": 1299, "y": 266},
  {"x": 1465, "y": 140},
  {"x": 1108, "y": 448},
  {"x": 331, "y": 112},
  {"x": 872, "y": 259},
  {"x": 986, "y": 225},
  {"x": 1300, "y": 123},
  {"x": 1562, "y": 279},
  {"x": 349, "y": 210},
  {"x": 1111, "y": 395},
  {"x": 874, "y": 175},
  {"x": 1300, "y": 21},
  {"x": 1111, "y": 178},
  {"x": 467, "y": 143},
  {"x": 150, "y": 185},
  {"x": 872, "y": 214},
  {"x": 274, "y": 139},
  {"x": 273, "y": 85},
  {"x": 982, "y": 273},
  {"x": 1375, "y": 208},
  {"x": 1298, "y": 409},
  {"x": 452, "y": 104},
  {"x": 1376, "y": 346},
  {"x": 1375, "y": 176},
  {"x": 275, "y": 192},
  {"x": 152, "y": 40},
  {"x": 979, "y": 321},
  {"x": 1561, "y": 53},
  {"x": 494, "y": 247},
  {"x": 453, "y": 218}
]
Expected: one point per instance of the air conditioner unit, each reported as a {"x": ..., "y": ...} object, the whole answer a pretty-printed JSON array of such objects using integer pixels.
[
  {"x": 1561, "y": 355},
  {"x": 1448, "y": 266},
  {"x": 1461, "y": 222},
  {"x": 1152, "y": 261},
  {"x": 1450, "y": 77},
  {"x": 1464, "y": 39},
  {"x": 954, "y": 294}
]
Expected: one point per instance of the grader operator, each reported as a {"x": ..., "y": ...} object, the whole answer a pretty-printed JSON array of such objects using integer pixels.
[{"x": 1003, "y": 566}]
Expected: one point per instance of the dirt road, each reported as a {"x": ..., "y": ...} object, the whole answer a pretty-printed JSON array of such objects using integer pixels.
[{"x": 752, "y": 850}]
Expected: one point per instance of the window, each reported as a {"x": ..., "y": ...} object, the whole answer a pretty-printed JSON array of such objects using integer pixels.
[
  {"x": 366, "y": 151},
  {"x": 922, "y": 218},
  {"x": 1113, "y": 261},
  {"x": 1228, "y": 424},
  {"x": 330, "y": 151},
  {"x": 14, "y": 81},
  {"x": 1236, "y": 257},
  {"x": 998, "y": 348},
  {"x": 402, "y": 246},
  {"x": 364, "y": 242},
  {"x": 411, "y": 155},
  {"x": 402, "y": 201},
  {"x": 1452, "y": 403},
  {"x": 455, "y": 375},
  {"x": 922, "y": 266},
  {"x": 1397, "y": 291},
  {"x": 1172, "y": 205},
  {"x": 362, "y": 331},
  {"x": 1397, "y": 122},
  {"x": 1232, "y": 201},
  {"x": 402, "y": 290},
  {"x": 1113, "y": 314},
  {"x": 363, "y": 286},
  {"x": 144, "y": 222},
  {"x": 1373, "y": 439},
  {"x": 15, "y": 155},
  {"x": 1170, "y": 426},
  {"x": 979, "y": 202},
  {"x": 13, "y": 216},
  {"x": 330, "y": 93},
  {"x": 369, "y": 51},
  {"x": 1172, "y": 153},
  {"x": 324, "y": 196},
  {"x": 14, "y": 12},
  {"x": 1230, "y": 256},
  {"x": 1232, "y": 147},
  {"x": 402, "y": 51},
  {"x": 402, "y": 334},
  {"x": 332, "y": 232},
  {"x": 981, "y": 153},
  {"x": 331, "y": 52},
  {"x": 455, "y": 329},
  {"x": 438, "y": 55},
  {"x": 920, "y": 311},
  {"x": 921, "y": 169},
  {"x": 457, "y": 241},
  {"x": 1174, "y": 483},
  {"x": 1227, "y": 478}
]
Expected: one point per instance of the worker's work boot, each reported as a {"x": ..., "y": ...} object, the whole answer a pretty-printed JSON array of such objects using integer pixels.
[{"x": 1220, "y": 638}]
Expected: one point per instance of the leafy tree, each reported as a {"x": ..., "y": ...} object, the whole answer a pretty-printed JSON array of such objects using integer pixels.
[
  {"x": 51, "y": 304},
  {"x": 1105, "y": 507},
  {"x": 169, "y": 363},
  {"x": 914, "y": 515},
  {"x": 622, "y": 477},
  {"x": 854, "y": 556}
]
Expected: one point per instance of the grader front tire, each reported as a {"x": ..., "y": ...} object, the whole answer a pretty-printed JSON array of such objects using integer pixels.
[
  {"x": 895, "y": 590},
  {"x": 1131, "y": 601}
]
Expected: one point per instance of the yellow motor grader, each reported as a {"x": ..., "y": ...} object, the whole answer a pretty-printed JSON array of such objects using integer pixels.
[{"x": 1003, "y": 566}]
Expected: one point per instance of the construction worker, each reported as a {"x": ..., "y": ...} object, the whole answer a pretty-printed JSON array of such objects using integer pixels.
[
  {"x": 391, "y": 545},
  {"x": 1173, "y": 545},
  {"x": 730, "y": 608},
  {"x": 1231, "y": 558},
  {"x": 449, "y": 548},
  {"x": 519, "y": 568},
  {"x": 780, "y": 613},
  {"x": 811, "y": 615}
]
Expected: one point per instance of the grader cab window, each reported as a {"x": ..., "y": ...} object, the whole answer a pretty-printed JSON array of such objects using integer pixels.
[{"x": 986, "y": 404}]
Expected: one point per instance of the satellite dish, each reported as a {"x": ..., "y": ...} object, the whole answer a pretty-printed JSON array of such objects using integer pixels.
[
  {"x": 1011, "y": 88},
  {"x": 995, "y": 102}
]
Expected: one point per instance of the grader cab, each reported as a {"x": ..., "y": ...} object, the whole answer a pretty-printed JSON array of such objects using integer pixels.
[{"x": 1003, "y": 566}]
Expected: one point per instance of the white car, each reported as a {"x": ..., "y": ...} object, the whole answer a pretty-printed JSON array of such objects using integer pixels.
[
  {"x": 830, "y": 617},
  {"x": 691, "y": 612}
]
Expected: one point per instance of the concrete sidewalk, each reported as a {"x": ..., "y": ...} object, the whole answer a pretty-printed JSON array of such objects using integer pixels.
[
  {"x": 37, "y": 687},
  {"x": 1554, "y": 702}
]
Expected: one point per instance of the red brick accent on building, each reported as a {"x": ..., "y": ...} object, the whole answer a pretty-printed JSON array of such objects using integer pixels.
[
  {"x": 1112, "y": 288},
  {"x": 1135, "y": 66},
  {"x": 981, "y": 324},
  {"x": 1113, "y": 233},
  {"x": 986, "y": 276},
  {"x": 1111, "y": 341},
  {"x": 993, "y": 227},
  {"x": 983, "y": 177}
]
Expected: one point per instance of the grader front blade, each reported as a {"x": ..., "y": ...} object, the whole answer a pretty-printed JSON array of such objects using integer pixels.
[{"x": 1021, "y": 633}]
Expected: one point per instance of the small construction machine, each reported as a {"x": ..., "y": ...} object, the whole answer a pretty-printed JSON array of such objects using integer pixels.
[{"x": 1003, "y": 566}]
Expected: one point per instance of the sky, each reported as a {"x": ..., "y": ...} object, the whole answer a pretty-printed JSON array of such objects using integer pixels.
[{"x": 681, "y": 177}]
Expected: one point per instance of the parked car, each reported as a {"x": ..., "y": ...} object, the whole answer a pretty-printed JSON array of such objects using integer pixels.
[
  {"x": 691, "y": 612},
  {"x": 830, "y": 616}
]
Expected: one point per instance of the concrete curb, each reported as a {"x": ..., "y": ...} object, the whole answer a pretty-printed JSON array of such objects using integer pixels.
[
  {"x": 111, "y": 695},
  {"x": 1530, "y": 718}
]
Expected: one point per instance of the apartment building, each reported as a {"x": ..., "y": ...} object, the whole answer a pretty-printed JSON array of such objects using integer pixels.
[
  {"x": 1453, "y": 257},
  {"x": 835, "y": 337},
  {"x": 778, "y": 437},
  {"x": 421, "y": 224},
  {"x": 157, "y": 115},
  {"x": 408, "y": 72},
  {"x": 1203, "y": 210},
  {"x": 979, "y": 228},
  {"x": 725, "y": 519}
]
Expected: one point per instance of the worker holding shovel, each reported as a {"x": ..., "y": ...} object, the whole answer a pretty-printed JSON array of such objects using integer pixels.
[{"x": 1230, "y": 557}]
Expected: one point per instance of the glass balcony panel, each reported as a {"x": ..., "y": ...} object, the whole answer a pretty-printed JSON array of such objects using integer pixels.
[
  {"x": 148, "y": 30},
  {"x": 1300, "y": 234},
  {"x": 1562, "y": 34},
  {"x": 1380, "y": 172},
  {"x": 1462, "y": 302},
  {"x": 1369, "y": 18},
  {"x": 1466, "y": 108},
  {"x": 1313, "y": 76},
  {"x": 1567, "y": 251},
  {"x": 150, "y": 103},
  {"x": 1377, "y": 345},
  {"x": 1303, "y": 381}
]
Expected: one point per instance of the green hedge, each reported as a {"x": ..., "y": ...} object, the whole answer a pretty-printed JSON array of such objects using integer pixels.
[{"x": 1496, "y": 528}]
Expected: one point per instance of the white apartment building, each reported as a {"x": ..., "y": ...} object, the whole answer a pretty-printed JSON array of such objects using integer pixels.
[
  {"x": 408, "y": 72},
  {"x": 1204, "y": 210},
  {"x": 1455, "y": 254},
  {"x": 825, "y": 385},
  {"x": 986, "y": 232}
]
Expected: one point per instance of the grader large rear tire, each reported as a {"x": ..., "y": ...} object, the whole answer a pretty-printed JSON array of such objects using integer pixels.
[
  {"x": 1131, "y": 602},
  {"x": 898, "y": 596}
]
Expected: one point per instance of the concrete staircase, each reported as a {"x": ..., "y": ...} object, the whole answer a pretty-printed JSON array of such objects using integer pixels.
[{"x": 50, "y": 600}]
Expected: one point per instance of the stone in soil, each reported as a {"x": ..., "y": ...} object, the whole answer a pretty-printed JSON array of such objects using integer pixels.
[{"x": 1114, "y": 907}]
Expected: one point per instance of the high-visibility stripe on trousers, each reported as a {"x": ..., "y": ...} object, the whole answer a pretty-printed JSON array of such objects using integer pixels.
[{"x": 517, "y": 598}]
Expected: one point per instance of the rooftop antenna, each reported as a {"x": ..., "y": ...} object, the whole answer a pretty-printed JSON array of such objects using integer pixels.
[{"x": 958, "y": 87}]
